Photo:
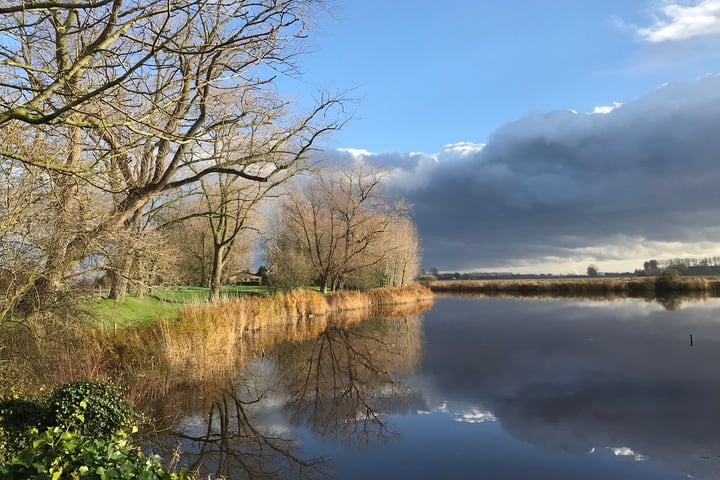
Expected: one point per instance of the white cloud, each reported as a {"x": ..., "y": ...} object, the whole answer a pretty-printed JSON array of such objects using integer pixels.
[
  {"x": 460, "y": 413},
  {"x": 464, "y": 148},
  {"x": 356, "y": 153},
  {"x": 415, "y": 170},
  {"x": 627, "y": 452},
  {"x": 605, "y": 109},
  {"x": 679, "y": 22},
  {"x": 475, "y": 416}
]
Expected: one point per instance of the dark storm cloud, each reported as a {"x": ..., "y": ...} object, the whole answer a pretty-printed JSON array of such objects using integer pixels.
[{"x": 572, "y": 185}]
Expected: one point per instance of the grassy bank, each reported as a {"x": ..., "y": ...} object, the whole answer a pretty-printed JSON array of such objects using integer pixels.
[
  {"x": 166, "y": 302},
  {"x": 583, "y": 287}
]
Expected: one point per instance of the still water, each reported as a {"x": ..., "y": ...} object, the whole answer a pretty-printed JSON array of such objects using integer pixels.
[{"x": 477, "y": 388}]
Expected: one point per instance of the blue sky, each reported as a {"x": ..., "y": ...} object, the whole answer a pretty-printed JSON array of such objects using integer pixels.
[
  {"x": 495, "y": 120},
  {"x": 430, "y": 73}
]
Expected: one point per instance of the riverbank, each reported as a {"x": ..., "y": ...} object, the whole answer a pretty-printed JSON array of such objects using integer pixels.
[
  {"x": 646, "y": 287},
  {"x": 203, "y": 342}
]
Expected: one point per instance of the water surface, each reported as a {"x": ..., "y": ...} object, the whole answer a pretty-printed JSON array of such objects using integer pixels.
[{"x": 478, "y": 388}]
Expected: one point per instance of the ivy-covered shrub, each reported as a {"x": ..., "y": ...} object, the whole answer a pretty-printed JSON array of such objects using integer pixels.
[
  {"x": 92, "y": 408},
  {"x": 17, "y": 418},
  {"x": 57, "y": 453},
  {"x": 78, "y": 433},
  {"x": 18, "y": 414}
]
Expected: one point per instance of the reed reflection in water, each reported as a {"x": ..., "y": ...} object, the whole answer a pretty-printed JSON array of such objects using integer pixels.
[{"x": 338, "y": 383}]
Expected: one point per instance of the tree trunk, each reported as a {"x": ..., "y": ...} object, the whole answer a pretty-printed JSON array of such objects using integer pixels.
[
  {"x": 119, "y": 287},
  {"x": 120, "y": 276},
  {"x": 323, "y": 285},
  {"x": 42, "y": 294},
  {"x": 216, "y": 275}
]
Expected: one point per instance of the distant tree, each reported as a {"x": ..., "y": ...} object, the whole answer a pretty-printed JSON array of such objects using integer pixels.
[
  {"x": 339, "y": 223},
  {"x": 651, "y": 267},
  {"x": 592, "y": 270},
  {"x": 192, "y": 241},
  {"x": 669, "y": 280},
  {"x": 678, "y": 266},
  {"x": 402, "y": 252},
  {"x": 286, "y": 265}
]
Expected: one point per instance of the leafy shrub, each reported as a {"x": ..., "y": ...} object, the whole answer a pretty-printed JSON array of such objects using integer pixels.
[
  {"x": 669, "y": 280},
  {"x": 93, "y": 408},
  {"x": 78, "y": 433},
  {"x": 17, "y": 417},
  {"x": 57, "y": 453},
  {"x": 19, "y": 413}
]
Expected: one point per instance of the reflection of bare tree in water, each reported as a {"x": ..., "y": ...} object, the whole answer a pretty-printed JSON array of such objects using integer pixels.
[
  {"x": 341, "y": 382},
  {"x": 234, "y": 446}
]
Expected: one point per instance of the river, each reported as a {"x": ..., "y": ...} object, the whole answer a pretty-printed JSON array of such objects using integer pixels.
[{"x": 475, "y": 388}]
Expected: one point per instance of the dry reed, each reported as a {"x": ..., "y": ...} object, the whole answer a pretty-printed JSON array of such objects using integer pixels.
[
  {"x": 376, "y": 298},
  {"x": 206, "y": 341}
]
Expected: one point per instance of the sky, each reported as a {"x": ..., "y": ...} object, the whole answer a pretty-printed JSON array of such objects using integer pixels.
[{"x": 533, "y": 137}]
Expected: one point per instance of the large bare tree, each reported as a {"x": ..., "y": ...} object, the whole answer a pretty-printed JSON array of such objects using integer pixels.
[
  {"x": 338, "y": 221},
  {"x": 130, "y": 93}
]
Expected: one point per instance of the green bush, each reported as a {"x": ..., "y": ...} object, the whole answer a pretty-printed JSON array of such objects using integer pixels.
[
  {"x": 60, "y": 454},
  {"x": 17, "y": 417},
  {"x": 92, "y": 408},
  {"x": 78, "y": 433},
  {"x": 669, "y": 280}
]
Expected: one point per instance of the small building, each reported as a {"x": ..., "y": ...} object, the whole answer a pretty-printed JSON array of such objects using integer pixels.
[{"x": 244, "y": 278}]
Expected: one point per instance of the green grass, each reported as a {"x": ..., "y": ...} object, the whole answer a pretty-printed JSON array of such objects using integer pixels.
[
  {"x": 132, "y": 312},
  {"x": 200, "y": 294},
  {"x": 162, "y": 303}
]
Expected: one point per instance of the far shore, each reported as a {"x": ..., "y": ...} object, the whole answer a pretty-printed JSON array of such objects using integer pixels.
[{"x": 597, "y": 286}]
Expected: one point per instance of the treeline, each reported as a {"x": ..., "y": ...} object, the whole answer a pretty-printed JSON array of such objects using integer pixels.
[
  {"x": 143, "y": 144},
  {"x": 684, "y": 266}
]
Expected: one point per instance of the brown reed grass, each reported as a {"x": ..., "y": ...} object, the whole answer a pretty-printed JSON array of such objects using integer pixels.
[
  {"x": 353, "y": 300},
  {"x": 206, "y": 341}
]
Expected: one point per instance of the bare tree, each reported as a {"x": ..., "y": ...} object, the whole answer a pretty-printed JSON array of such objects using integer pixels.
[
  {"x": 402, "y": 259},
  {"x": 592, "y": 270},
  {"x": 231, "y": 206},
  {"x": 41, "y": 211},
  {"x": 231, "y": 201},
  {"x": 130, "y": 93},
  {"x": 289, "y": 267},
  {"x": 338, "y": 220}
]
